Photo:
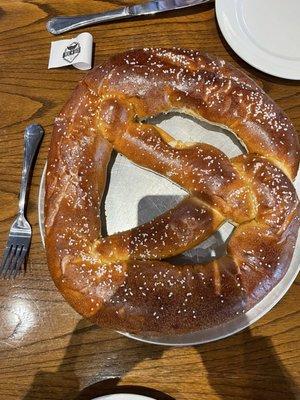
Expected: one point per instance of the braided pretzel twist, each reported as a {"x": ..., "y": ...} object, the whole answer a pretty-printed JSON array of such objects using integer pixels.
[{"x": 118, "y": 281}]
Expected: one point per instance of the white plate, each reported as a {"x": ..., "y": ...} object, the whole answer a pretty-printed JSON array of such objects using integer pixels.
[
  {"x": 148, "y": 195},
  {"x": 264, "y": 33},
  {"x": 123, "y": 396}
]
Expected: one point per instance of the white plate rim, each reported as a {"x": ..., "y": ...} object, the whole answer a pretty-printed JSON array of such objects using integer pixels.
[
  {"x": 227, "y": 16},
  {"x": 123, "y": 396}
]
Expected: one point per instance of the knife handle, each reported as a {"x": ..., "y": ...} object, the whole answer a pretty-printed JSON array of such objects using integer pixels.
[{"x": 59, "y": 25}]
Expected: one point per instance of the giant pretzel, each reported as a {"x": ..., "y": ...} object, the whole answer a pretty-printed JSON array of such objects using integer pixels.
[{"x": 119, "y": 281}]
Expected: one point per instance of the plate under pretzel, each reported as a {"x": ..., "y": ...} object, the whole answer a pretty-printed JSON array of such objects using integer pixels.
[{"x": 135, "y": 195}]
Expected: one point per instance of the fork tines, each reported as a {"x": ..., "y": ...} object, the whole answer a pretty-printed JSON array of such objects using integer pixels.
[{"x": 13, "y": 260}]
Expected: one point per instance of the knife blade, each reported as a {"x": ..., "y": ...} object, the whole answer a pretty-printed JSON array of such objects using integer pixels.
[{"x": 58, "y": 25}]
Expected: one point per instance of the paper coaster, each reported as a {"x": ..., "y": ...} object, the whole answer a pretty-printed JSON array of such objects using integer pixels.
[{"x": 77, "y": 51}]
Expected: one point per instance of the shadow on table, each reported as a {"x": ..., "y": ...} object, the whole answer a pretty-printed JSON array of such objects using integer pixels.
[
  {"x": 247, "y": 367},
  {"x": 241, "y": 367},
  {"x": 61, "y": 384},
  {"x": 84, "y": 351}
]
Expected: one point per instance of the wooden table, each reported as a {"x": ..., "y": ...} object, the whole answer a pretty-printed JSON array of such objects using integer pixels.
[{"x": 46, "y": 350}]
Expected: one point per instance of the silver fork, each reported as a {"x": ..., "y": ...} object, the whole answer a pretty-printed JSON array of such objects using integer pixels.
[{"x": 19, "y": 238}]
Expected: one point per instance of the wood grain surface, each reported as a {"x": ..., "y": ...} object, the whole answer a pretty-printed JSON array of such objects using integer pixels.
[{"x": 46, "y": 350}]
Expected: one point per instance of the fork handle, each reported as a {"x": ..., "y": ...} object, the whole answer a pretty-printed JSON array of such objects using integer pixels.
[{"x": 32, "y": 138}]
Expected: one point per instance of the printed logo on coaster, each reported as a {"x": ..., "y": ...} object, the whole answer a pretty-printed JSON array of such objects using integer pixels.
[{"x": 71, "y": 52}]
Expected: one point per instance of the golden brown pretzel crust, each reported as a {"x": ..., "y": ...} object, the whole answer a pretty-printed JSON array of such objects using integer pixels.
[{"x": 119, "y": 281}]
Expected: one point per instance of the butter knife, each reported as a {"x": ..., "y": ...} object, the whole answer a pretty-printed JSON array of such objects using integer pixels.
[{"x": 59, "y": 25}]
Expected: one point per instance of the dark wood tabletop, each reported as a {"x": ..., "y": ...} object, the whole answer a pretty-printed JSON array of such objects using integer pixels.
[{"x": 46, "y": 350}]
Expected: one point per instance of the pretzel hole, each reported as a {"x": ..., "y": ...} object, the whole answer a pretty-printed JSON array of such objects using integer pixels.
[
  {"x": 134, "y": 195},
  {"x": 188, "y": 129}
]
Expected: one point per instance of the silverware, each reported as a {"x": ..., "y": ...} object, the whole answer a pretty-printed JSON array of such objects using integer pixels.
[
  {"x": 59, "y": 25},
  {"x": 19, "y": 238}
]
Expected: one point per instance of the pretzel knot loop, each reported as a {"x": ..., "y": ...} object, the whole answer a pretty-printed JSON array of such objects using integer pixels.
[{"x": 120, "y": 281}]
